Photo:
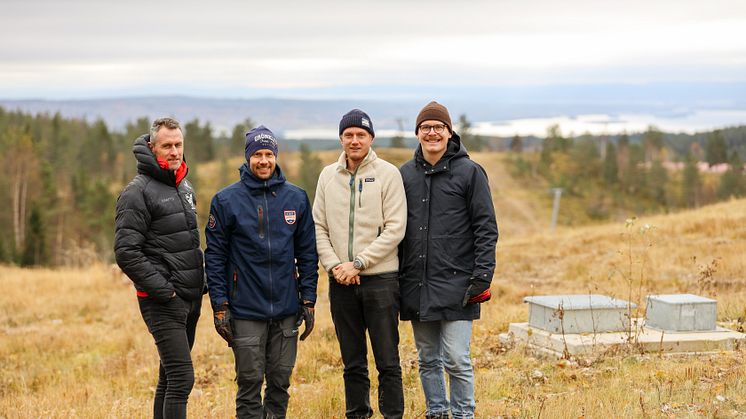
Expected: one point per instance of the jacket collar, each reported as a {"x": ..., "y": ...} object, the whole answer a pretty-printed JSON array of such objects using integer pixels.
[
  {"x": 342, "y": 161},
  {"x": 257, "y": 185},
  {"x": 147, "y": 164},
  {"x": 454, "y": 150}
]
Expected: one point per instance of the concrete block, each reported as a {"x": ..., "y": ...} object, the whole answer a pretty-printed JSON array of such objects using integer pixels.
[
  {"x": 681, "y": 313},
  {"x": 647, "y": 340},
  {"x": 580, "y": 313}
]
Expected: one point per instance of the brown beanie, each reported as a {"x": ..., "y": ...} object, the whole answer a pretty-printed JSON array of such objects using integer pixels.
[{"x": 434, "y": 111}]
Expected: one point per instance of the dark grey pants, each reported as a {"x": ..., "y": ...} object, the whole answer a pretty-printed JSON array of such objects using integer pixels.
[
  {"x": 264, "y": 349},
  {"x": 172, "y": 325}
]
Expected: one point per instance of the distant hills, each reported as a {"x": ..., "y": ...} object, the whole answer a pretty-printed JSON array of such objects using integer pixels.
[{"x": 477, "y": 102}]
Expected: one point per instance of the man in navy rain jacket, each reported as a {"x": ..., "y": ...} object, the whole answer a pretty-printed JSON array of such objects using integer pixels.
[
  {"x": 261, "y": 266},
  {"x": 447, "y": 260}
]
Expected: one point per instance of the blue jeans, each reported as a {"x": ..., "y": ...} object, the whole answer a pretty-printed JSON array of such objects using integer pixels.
[{"x": 446, "y": 344}]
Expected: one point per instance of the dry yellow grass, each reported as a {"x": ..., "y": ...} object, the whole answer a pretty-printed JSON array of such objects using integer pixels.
[{"x": 72, "y": 343}]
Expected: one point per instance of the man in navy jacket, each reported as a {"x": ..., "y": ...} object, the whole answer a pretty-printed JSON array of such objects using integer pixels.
[
  {"x": 261, "y": 266},
  {"x": 447, "y": 259}
]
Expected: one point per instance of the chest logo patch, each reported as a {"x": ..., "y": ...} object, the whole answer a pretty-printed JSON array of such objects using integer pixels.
[
  {"x": 289, "y": 217},
  {"x": 370, "y": 179}
]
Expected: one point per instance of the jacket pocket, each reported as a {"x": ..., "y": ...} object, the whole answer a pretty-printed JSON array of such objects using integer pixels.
[
  {"x": 459, "y": 254},
  {"x": 289, "y": 343},
  {"x": 161, "y": 265},
  {"x": 249, "y": 356},
  {"x": 260, "y": 219},
  {"x": 234, "y": 284},
  {"x": 247, "y": 341},
  {"x": 360, "y": 195}
]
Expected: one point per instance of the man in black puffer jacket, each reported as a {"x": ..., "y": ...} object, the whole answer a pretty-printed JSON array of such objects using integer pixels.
[{"x": 157, "y": 246}]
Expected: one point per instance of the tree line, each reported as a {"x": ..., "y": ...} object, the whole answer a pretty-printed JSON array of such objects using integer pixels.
[
  {"x": 61, "y": 176},
  {"x": 648, "y": 172}
]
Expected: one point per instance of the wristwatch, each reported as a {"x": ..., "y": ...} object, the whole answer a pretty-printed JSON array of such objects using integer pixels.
[{"x": 357, "y": 264}]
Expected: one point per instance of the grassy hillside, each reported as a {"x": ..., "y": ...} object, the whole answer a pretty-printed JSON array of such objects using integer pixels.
[
  {"x": 72, "y": 343},
  {"x": 522, "y": 209}
]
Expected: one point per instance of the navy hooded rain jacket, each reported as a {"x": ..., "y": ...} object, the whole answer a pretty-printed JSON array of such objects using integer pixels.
[{"x": 261, "y": 248}]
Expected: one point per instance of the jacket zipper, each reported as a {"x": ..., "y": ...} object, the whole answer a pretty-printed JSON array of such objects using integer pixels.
[
  {"x": 428, "y": 181},
  {"x": 351, "y": 232},
  {"x": 269, "y": 251}
]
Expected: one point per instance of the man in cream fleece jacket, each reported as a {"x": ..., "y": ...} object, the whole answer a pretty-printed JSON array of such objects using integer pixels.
[{"x": 360, "y": 212}]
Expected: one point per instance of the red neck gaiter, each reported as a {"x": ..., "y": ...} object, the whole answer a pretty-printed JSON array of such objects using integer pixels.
[{"x": 180, "y": 172}]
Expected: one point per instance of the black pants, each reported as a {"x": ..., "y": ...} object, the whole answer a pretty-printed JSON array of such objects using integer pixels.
[
  {"x": 264, "y": 349},
  {"x": 373, "y": 306},
  {"x": 172, "y": 325}
]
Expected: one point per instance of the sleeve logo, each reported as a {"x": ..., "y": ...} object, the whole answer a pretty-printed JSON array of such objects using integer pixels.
[
  {"x": 211, "y": 222},
  {"x": 190, "y": 200}
]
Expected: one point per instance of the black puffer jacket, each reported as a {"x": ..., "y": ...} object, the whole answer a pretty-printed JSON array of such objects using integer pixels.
[
  {"x": 451, "y": 235},
  {"x": 157, "y": 240}
]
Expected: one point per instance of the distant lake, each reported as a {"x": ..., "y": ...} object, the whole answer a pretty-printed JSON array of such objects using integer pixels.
[{"x": 674, "y": 122}]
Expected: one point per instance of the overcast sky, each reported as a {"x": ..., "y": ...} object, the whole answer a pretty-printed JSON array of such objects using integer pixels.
[{"x": 72, "y": 49}]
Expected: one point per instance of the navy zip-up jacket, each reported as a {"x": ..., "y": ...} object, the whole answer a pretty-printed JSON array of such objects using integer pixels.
[
  {"x": 451, "y": 235},
  {"x": 261, "y": 248}
]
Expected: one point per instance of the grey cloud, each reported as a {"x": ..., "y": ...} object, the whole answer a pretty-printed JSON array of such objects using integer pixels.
[{"x": 324, "y": 42}]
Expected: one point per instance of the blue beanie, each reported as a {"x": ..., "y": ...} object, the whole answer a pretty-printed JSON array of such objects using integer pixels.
[
  {"x": 260, "y": 138},
  {"x": 356, "y": 118}
]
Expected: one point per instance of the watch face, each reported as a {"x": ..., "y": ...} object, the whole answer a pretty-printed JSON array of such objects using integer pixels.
[{"x": 357, "y": 264}]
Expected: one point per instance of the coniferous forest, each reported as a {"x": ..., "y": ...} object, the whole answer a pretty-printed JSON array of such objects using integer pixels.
[{"x": 61, "y": 176}]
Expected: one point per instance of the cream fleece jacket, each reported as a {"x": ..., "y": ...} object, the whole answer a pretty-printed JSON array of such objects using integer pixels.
[{"x": 360, "y": 215}]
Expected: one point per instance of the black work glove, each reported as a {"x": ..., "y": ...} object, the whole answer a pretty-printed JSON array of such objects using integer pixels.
[
  {"x": 307, "y": 314},
  {"x": 477, "y": 292},
  {"x": 222, "y": 320}
]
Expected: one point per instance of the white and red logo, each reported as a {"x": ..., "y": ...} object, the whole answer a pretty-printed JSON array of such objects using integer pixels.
[
  {"x": 289, "y": 216},
  {"x": 211, "y": 222}
]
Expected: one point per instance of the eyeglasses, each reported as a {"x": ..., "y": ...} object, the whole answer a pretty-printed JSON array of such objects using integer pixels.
[{"x": 425, "y": 129}]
